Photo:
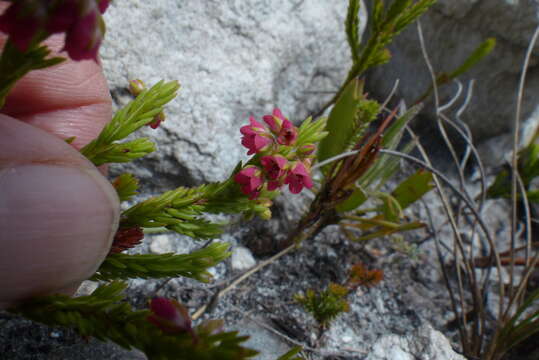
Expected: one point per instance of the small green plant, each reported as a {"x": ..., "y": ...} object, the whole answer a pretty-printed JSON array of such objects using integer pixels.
[
  {"x": 528, "y": 169},
  {"x": 326, "y": 305}
]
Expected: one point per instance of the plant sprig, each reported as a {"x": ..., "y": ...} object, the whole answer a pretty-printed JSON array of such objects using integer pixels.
[
  {"x": 136, "y": 114},
  {"x": 194, "y": 265},
  {"x": 106, "y": 316},
  {"x": 14, "y": 64}
]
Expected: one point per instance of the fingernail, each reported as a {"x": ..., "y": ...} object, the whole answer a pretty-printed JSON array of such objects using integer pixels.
[{"x": 57, "y": 225}]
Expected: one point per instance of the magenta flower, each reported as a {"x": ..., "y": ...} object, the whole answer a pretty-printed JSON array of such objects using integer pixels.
[
  {"x": 250, "y": 180},
  {"x": 84, "y": 37},
  {"x": 275, "y": 120},
  {"x": 288, "y": 134},
  {"x": 22, "y": 21},
  {"x": 103, "y": 5},
  {"x": 169, "y": 316},
  {"x": 63, "y": 17},
  {"x": 255, "y": 137},
  {"x": 297, "y": 178},
  {"x": 28, "y": 20},
  {"x": 285, "y": 131},
  {"x": 274, "y": 166},
  {"x": 274, "y": 184}
]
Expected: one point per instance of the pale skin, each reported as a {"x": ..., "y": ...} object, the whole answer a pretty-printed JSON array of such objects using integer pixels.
[{"x": 58, "y": 213}]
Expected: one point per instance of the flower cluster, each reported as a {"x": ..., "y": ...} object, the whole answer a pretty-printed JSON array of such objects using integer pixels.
[
  {"x": 280, "y": 159},
  {"x": 26, "y": 21}
]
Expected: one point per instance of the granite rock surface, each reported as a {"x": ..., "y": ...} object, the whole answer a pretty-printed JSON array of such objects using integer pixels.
[{"x": 452, "y": 29}]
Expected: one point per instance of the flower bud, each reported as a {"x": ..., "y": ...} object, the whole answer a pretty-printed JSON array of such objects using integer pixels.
[
  {"x": 306, "y": 150},
  {"x": 136, "y": 86},
  {"x": 169, "y": 316},
  {"x": 157, "y": 120}
]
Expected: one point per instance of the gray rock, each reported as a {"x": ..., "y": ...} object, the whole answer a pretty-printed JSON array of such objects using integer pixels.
[
  {"x": 261, "y": 338},
  {"x": 161, "y": 244},
  {"x": 452, "y": 29},
  {"x": 242, "y": 259},
  {"x": 233, "y": 59},
  {"x": 423, "y": 344}
]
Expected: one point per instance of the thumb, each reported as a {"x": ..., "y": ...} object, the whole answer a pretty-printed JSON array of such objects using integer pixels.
[{"x": 58, "y": 214}]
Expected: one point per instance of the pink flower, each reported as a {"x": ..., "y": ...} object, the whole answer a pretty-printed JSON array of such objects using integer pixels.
[
  {"x": 63, "y": 17},
  {"x": 28, "y": 20},
  {"x": 103, "y": 5},
  {"x": 275, "y": 120},
  {"x": 250, "y": 180},
  {"x": 274, "y": 166},
  {"x": 274, "y": 184},
  {"x": 255, "y": 137},
  {"x": 297, "y": 178},
  {"x": 84, "y": 37},
  {"x": 22, "y": 21},
  {"x": 288, "y": 134},
  {"x": 169, "y": 316},
  {"x": 285, "y": 131}
]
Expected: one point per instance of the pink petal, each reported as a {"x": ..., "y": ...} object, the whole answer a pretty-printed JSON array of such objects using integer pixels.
[
  {"x": 307, "y": 181},
  {"x": 295, "y": 186},
  {"x": 256, "y": 125},
  {"x": 277, "y": 112},
  {"x": 103, "y": 5},
  {"x": 260, "y": 142},
  {"x": 300, "y": 169},
  {"x": 274, "y": 185},
  {"x": 272, "y": 123}
]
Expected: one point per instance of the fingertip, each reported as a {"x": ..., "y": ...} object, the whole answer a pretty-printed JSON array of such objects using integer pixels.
[{"x": 58, "y": 214}]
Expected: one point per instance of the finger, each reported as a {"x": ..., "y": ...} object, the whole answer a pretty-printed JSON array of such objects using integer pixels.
[
  {"x": 58, "y": 214},
  {"x": 70, "y": 99}
]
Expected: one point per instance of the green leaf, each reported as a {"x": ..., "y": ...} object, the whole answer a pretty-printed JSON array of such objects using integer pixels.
[
  {"x": 413, "y": 188},
  {"x": 352, "y": 28},
  {"x": 341, "y": 121},
  {"x": 123, "y": 152},
  {"x": 291, "y": 355},
  {"x": 126, "y": 186},
  {"x": 129, "y": 119},
  {"x": 180, "y": 210},
  {"x": 515, "y": 331},
  {"x": 311, "y": 132},
  {"x": 355, "y": 200},
  {"x": 533, "y": 196},
  {"x": 194, "y": 265},
  {"x": 386, "y": 165},
  {"x": 391, "y": 208},
  {"x": 482, "y": 51}
]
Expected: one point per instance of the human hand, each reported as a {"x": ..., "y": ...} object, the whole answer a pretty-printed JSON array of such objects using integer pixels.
[{"x": 58, "y": 214}]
